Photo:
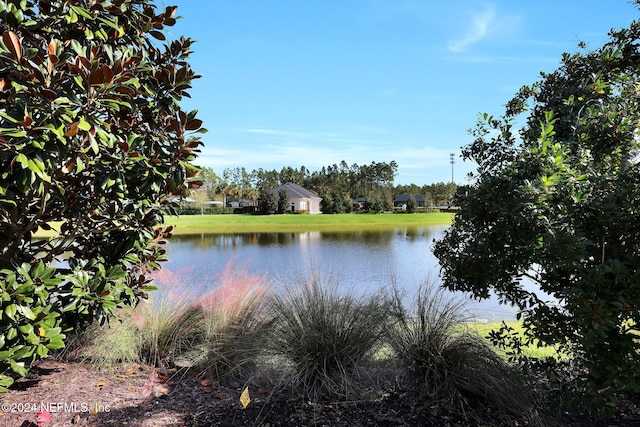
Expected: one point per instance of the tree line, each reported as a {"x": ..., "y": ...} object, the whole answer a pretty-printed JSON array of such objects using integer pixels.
[{"x": 341, "y": 186}]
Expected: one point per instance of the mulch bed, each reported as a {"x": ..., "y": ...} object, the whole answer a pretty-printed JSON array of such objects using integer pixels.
[{"x": 77, "y": 394}]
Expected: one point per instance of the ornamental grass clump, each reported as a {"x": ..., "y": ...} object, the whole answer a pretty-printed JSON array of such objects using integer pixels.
[
  {"x": 446, "y": 362},
  {"x": 158, "y": 331},
  {"x": 167, "y": 327},
  {"x": 236, "y": 323},
  {"x": 323, "y": 335}
]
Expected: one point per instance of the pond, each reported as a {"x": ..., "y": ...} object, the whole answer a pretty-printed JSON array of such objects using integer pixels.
[{"x": 365, "y": 260}]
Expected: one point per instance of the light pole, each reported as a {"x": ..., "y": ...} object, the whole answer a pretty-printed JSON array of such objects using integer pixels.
[{"x": 453, "y": 160}]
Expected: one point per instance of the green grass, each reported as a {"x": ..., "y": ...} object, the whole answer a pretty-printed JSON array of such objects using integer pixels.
[
  {"x": 532, "y": 351},
  {"x": 196, "y": 224}
]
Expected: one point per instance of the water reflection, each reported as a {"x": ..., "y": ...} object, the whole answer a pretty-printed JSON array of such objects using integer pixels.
[{"x": 366, "y": 260}]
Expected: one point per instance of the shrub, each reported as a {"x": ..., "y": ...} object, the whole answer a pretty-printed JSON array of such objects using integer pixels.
[
  {"x": 324, "y": 334},
  {"x": 554, "y": 204},
  {"x": 446, "y": 361},
  {"x": 93, "y": 138}
]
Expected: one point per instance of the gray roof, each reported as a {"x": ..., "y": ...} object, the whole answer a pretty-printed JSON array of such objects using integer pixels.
[{"x": 295, "y": 191}]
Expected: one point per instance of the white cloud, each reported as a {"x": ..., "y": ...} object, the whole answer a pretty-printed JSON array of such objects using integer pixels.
[
  {"x": 481, "y": 25},
  {"x": 420, "y": 164}
]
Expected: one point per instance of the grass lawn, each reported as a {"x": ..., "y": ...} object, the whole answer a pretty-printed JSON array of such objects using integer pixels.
[
  {"x": 195, "y": 224},
  {"x": 530, "y": 351}
]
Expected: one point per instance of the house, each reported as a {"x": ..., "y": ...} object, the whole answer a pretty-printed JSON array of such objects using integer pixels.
[
  {"x": 300, "y": 199},
  {"x": 402, "y": 200}
]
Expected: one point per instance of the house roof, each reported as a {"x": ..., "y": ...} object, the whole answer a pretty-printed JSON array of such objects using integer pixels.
[
  {"x": 295, "y": 191},
  {"x": 405, "y": 198}
]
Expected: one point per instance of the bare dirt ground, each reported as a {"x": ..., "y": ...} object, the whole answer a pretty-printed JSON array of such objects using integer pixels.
[{"x": 77, "y": 394}]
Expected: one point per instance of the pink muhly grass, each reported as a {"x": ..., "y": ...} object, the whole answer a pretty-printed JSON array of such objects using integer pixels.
[
  {"x": 235, "y": 321},
  {"x": 237, "y": 292},
  {"x": 169, "y": 323}
]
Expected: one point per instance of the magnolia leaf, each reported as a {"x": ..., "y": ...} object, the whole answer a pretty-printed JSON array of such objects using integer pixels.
[
  {"x": 73, "y": 129},
  {"x": 157, "y": 34},
  {"x": 193, "y": 124},
  {"x": 12, "y": 42}
]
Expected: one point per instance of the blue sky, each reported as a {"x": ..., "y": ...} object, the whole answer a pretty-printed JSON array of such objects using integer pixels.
[{"x": 315, "y": 82}]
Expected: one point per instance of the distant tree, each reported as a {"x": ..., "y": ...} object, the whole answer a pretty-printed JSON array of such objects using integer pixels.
[
  {"x": 372, "y": 205},
  {"x": 267, "y": 202},
  {"x": 558, "y": 204},
  {"x": 283, "y": 201},
  {"x": 91, "y": 138},
  {"x": 441, "y": 192},
  {"x": 327, "y": 204},
  {"x": 210, "y": 187},
  {"x": 411, "y": 204},
  {"x": 266, "y": 179}
]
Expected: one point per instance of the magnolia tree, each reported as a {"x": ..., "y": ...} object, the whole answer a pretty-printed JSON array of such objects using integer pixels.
[
  {"x": 550, "y": 222},
  {"x": 94, "y": 144}
]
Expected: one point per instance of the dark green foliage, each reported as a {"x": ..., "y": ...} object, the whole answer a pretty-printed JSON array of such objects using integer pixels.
[
  {"x": 412, "y": 206},
  {"x": 92, "y": 138},
  {"x": 335, "y": 202},
  {"x": 267, "y": 203},
  {"x": 283, "y": 201},
  {"x": 560, "y": 208},
  {"x": 437, "y": 194},
  {"x": 374, "y": 206}
]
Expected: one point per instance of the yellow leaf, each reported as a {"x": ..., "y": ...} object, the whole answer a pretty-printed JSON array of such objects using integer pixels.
[
  {"x": 101, "y": 384},
  {"x": 41, "y": 331},
  {"x": 244, "y": 398}
]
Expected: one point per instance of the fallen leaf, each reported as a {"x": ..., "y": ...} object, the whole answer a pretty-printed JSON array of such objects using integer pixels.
[
  {"x": 131, "y": 372},
  {"x": 101, "y": 384},
  {"x": 220, "y": 396},
  {"x": 42, "y": 417},
  {"x": 244, "y": 398},
  {"x": 205, "y": 383},
  {"x": 207, "y": 390}
]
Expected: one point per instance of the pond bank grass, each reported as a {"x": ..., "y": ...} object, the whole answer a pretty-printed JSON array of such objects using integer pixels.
[
  {"x": 197, "y": 224},
  {"x": 238, "y": 223},
  {"x": 532, "y": 351}
]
